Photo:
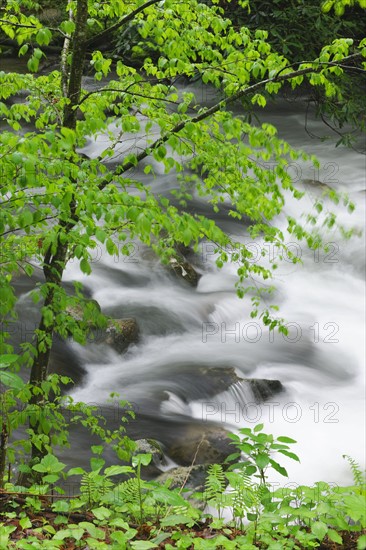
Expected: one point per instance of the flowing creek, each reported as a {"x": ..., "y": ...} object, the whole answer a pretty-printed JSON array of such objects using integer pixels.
[{"x": 188, "y": 336}]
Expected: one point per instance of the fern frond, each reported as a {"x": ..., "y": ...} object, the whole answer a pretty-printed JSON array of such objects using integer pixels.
[
  {"x": 215, "y": 482},
  {"x": 93, "y": 486},
  {"x": 128, "y": 491},
  {"x": 359, "y": 477}
]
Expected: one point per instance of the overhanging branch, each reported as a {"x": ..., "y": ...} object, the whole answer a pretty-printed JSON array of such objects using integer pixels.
[
  {"x": 106, "y": 34},
  {"x": 121, "y": 169}
]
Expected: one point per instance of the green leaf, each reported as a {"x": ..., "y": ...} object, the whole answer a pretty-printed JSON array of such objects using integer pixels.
[
  {"x": 160, "y": 538},
  {"x": 75, "y": 533},
  {"x": 142, "y": 545},
  {"x": 280, "y": 469},
  {"x": 23, "y": 50},
  {"x": 284, "y": 439},
  {"x": 33, "y": 64},
  {"x": 100, "y": 234},
  {"x": 187, "y": 237},
  {"x": 161, "y": 152},
  {"x": 250, "y": 470},
  {"x": 101, "y": 513},
  {"x": 356, "y": 506},
  {"x": 258, "y": 428},
  {"x": 96, "y": 463},
  {"x": 85, "y": 266},
  {"x": 121, "y": 538},
  {"x": 26, "y": 218},
  {"x": 118, "y": 522},
  {"x": 11, "y": 380},
  {"x": 289, "y": 454},
  {"x": 61, "y": 506},
  {"x": 143, "y": 459},
  {"x": 37, "y": 53},
  {"x": 93, "y": 531},
  {"x": 43, "y": 37},
  {"x": 49, "y": 464},
  {"x": 117, "y": 470},
  {"x": 29, "y": 269},
  {"x": 334, "y": 536},
  {"x": 25, "y": 523},
  {"x": 327, "y": 6},
  {"x": 6, "y": 360},
  {"x": 5, "y": 532},
  {"x": 361, "y": 543},
  {"x": 76, "y": 472},
  {"x": 168, "y": 497},
  {"x": 175, "y": 519},
  {"x": 50, "y": 478},
  {"x": 319, "y": 529},
  {"x": 245, "y": 447},
  {"x": 262, "y": 460},
  {"x": 68, "y": 26},
  {"x": 246, "y": 431},
  {"x": 111, "y": 247}
]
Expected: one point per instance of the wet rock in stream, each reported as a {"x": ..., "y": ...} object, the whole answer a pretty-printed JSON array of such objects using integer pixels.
[
  {"x": 315, "y": 184},
  {"x": 184, "y": 270},
  {"x": 201, "y": 445},
  {"x": 120, "y": 333},
  {"x": 152, "y": 320},
  {"x": 197, "y": 382},
  {"x": 264, "y": 389}
]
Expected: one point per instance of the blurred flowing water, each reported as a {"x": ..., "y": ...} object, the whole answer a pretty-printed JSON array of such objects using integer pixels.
[{"x": 186, "y": 332}]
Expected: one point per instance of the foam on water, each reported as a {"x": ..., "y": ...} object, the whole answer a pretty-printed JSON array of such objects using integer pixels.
[{"x": 321, "y": 363}]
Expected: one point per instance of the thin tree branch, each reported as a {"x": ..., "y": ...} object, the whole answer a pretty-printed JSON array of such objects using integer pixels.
[
  {"x": 340, "y": 134},
  {"x": 19, "y": 25},
  {"x": 22, "y": 26},
  {"x": 127, "y": 92},
  {"x": 26, "y": 226},
  {"x": 107, "y": 32}
]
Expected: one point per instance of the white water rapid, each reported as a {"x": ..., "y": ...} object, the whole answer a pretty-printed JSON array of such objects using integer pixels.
[{"x": 321, "y": 363}]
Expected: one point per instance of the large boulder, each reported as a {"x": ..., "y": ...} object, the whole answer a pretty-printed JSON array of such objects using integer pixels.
[
  {"x": 196, "y": 382},
  {"x": 118, "y": 334}
]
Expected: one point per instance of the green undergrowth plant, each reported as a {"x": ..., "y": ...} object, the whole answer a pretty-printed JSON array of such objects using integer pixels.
[
  {"x": 55, "y": 414},
  {"x": 115, "y": 508}
]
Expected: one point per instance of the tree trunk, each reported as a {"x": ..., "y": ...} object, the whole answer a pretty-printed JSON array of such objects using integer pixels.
[
  {"x": 77, "y": 64},
  {"x": 53, "y": 270},
  {"x": 54, "y": 264}
]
